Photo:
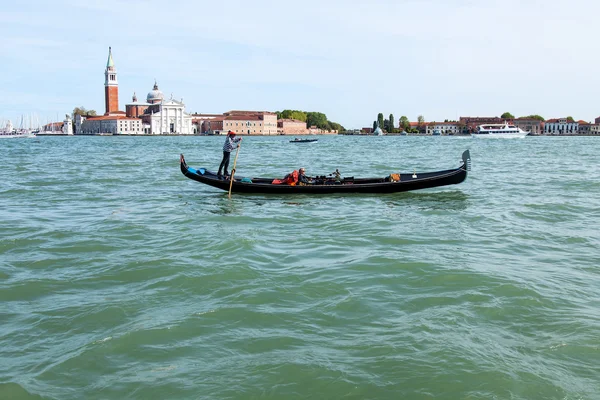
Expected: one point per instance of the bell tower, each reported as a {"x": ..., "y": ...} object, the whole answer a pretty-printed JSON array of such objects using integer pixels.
[{"x": 111, "y": 86}]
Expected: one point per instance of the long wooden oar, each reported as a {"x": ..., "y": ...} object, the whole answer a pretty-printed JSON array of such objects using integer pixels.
[{"x": 233, "y": 169}]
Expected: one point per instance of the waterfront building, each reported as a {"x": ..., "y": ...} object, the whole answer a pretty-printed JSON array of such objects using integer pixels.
[
  {"x": 250, "y": 122},
  {"x": 534, "y": 126},
  {"x": 288, "y": 126},
  {"x": 443, "y": 128},
  {"x": 561, "y": 126},
  {"x": 213, "y": 126},
  {"x": 114, "y": 124},
  {"x": 597, "y": 121},
  {"x": 53, "y": 127},
  {"x": 166, "y": 117},
  {"x": 584, "y": 127},
  {"x": 201, "y": 120},
  {"x": 595, "y": 129}
]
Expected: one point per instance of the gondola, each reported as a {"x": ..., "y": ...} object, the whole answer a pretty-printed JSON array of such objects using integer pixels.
[
  {"x": 303, "y": 140},
  {"x": 325, "y": 185}
]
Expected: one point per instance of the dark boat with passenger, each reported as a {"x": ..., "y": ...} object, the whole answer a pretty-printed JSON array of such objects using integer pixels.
[
  {"x": 303, "y": 140},
  {"x": 400, "y": 182}
]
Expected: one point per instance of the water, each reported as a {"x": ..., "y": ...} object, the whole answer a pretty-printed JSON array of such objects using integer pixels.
[{"x": 120, "y": 278}]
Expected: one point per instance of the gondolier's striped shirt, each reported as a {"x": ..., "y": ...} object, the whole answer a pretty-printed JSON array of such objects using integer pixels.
[{"x": 230, "y": 144}]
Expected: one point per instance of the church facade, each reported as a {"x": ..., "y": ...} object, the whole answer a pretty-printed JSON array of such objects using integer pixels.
[{"x": 156, "y": 116}]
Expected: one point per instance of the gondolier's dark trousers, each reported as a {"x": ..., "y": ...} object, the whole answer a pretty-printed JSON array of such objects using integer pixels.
[{"x": 225, "y": 163}]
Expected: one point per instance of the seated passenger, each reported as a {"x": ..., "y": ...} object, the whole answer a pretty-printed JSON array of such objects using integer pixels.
[
  {"x": 303, "y": 179},
  {"x": 290, "y": 179}
]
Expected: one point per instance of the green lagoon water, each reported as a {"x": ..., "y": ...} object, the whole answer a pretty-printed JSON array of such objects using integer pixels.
[{"x": 122, "y": 279}]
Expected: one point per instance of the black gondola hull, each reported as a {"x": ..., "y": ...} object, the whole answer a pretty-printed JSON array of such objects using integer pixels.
[{"x": 408, "y": 182}]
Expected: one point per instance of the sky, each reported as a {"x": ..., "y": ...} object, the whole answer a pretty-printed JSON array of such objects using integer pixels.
[{"x": 348, "y": 59}]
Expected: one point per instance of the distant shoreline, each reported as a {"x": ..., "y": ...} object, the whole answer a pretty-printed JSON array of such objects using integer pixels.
[{"x": 287, "y": 136}]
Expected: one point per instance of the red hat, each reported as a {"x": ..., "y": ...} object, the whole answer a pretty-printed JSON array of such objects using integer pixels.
[{"x": 231, "y": 133}]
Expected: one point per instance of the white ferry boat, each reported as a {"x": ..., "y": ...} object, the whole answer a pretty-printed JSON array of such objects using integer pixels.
[{"x": 499, "y": 131}]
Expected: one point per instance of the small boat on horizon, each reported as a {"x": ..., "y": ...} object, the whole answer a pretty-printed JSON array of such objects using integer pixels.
[
  {"x": 296, "y": 140},
  {"x": 499, "y": 131}
]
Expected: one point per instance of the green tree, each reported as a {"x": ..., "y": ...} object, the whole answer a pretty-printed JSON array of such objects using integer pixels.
[
  {"x": 570, "y": 119},
  {"x": 83, "y": 111},
  {"x": 292, "y": 114},
  {"x": 392, "y": 124},
  {"x": 404, "y": 123},
  {"x": 507, "y": 115},
  {"x": 374, "y": 125},
  {"x": 535, "y": 116},
  {"x": 380, "y": 120},
  {"x": 317, "y": 119},
  {"x": 421, "y": 120},
  {"x": 336, "y": 127}
]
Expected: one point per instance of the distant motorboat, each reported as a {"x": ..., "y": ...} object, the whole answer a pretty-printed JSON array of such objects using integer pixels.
[
  {"x": 499, "y": 131},
  {"x": 303, "y": 140}
]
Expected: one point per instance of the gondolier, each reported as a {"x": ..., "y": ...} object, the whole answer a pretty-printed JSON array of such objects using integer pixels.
[{"x": 231, "y": 142}]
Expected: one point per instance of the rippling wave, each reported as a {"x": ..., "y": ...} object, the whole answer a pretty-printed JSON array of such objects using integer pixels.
[{"x": 120, "y": 278}]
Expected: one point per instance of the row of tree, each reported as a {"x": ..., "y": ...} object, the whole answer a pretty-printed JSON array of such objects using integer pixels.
[
  {"x": 311, "y": 118},
  {"x": 389, "y": 124}
]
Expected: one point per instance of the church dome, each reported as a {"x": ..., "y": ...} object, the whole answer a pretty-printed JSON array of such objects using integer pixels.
[{"x": 155, "y": 95}]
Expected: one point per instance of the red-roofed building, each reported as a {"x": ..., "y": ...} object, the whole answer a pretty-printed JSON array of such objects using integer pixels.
[
  {"x": 561, "y": 126},
  {"x": 251, "y": 122},
  {"x": 213, "y": 126},
  {"x": 443, "y": 128},
  {"x": 420, "y": 126},
  {"x": 584, "y": 127}
]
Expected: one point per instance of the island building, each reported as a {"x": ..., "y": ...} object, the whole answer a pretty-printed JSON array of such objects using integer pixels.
[
  {"x": 241, "y": 122},
  {"x": 288, "y": 126},
  {"x": 531, "y": 125},
  {"x": 443, "y": 128},
  {"x": 156, "y": 116},
  {"x": 561, "y": 126},
  {"x": 64, "y": 128}
]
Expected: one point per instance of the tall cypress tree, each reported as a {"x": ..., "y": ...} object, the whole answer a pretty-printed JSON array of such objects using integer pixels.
[
  {"x": 380, "y": 120},
  {"x": 391, "y": 130}
]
